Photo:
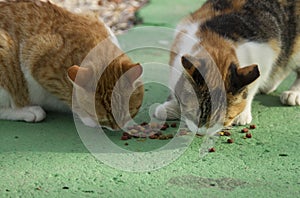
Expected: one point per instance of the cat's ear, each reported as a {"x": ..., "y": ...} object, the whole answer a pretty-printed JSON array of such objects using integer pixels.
[
  {"x": 187, "y": 63},
  {"x": 136, "y": 71},
  {"x": 241, "y": 77},
  {"x": 79, "y": 75}
]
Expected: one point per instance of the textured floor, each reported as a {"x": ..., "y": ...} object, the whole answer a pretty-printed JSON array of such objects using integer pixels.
[{"x": 48, "y": 159}]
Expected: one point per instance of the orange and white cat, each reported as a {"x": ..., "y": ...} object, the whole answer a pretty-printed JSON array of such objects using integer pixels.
[
  {"x": 255, "y": 44},
  {"x": 41, "y": 45}
]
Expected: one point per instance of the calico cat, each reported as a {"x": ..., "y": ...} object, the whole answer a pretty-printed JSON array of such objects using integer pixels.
[
  {"x": 41, "y": 45},
  {"x": 255, "y": 44}
]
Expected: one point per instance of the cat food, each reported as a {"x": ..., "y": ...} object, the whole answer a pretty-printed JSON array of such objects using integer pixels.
[
  {"x": 224, "y": 133},
  {"x": 211, "y": 150},
  {"x": 163, "y": 128},
  {"x": 151, "y": 130},
  {"x": 253, "y": 126},
  {"x": 230, "y": 141},
  {"x": 174, "y": 125},
  {"x": 127, "y": 134},
  {"x": 227, "y": 133},
  {"x": 154, "y": 136},
  {"x": 248, "y": 135},
  {"x": 245, "y": 130},
  {"x": 126, "y": 144},
  {"x": 124, "y": 137}
]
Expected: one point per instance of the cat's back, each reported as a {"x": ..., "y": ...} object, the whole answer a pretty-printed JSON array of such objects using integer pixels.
[{"x": 25, "y": 18}]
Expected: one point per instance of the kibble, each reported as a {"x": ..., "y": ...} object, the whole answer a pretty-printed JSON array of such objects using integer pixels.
[
  {"x": 253, "y": 126},
  {"x": 163, "y": 128},
  {"x": 245, "y": 130},
  {"x": 144, "y": 124},
  {"x": 154, "y": 125},
  {"x": 124, "y": 137},
  {"x": 248, "y": 135},
  {"x": 145, "y": 130},
  {"x": 230, "y": 141},
  {"x": 153, "y": 137},
  {"x": 174, "y": 125},
  {"x": 162, "y": 137},
  {"x": 211, "y": 150},
  {"x": 133, "y": 131},
  {"x": 127, "y": 134},
  {"x": 227, "y": 133}
]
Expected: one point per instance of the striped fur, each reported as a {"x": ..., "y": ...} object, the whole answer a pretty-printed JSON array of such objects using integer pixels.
[{"x": 40, "y": 46}]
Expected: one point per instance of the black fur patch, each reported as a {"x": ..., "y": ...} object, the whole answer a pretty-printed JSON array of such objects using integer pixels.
[
  {"x": 220, "y": 5},
  {"x": 234, "y": 83},
  {"x": 258, "y": 20}
]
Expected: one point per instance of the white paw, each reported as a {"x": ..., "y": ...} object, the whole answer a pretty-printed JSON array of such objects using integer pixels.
[
  {"x": 33, "y": 114},
  {"x": 244, "y": 118},
  {"x": 291, "y": 98},
  {"x": 168, "y": 111},
  {"x": 160, "y": 113},
  {"x": 89, "y": 122}
]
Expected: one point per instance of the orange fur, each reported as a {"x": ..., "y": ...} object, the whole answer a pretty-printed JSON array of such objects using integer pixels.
[{"x": 47, "y": 41}]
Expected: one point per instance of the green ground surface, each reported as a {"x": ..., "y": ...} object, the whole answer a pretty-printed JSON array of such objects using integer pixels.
[{"x": 49, "y": 159}]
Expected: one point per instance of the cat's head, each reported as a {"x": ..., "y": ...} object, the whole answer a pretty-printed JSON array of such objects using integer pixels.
[
  {"x": 228, "y": 85},
  {"x": 115, "y": 97}
]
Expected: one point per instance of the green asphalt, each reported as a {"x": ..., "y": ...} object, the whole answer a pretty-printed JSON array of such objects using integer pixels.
[{"x": 49, "y": 159}]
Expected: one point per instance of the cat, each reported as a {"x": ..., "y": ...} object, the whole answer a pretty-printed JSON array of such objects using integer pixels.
[
  {"x": 255, "y": 44},
  {"x": 41, "y": 46}
]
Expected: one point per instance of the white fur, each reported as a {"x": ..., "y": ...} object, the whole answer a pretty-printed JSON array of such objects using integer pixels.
[
  {"x": 254, "y": 53},
  {"x": 89, "y": 122},
  {"x": 5, "y": 99},
  {"x": 292, "y": 96},
  {"x": 9, "y": 112},
  {"x": 112, "y": 37},
  {"x": 40, "y": 97},
  {"x": 186, "y": 43}
]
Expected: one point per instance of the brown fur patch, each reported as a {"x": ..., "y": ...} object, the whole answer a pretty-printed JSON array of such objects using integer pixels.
[
  {"x": 51, "y": 40},
  {"x": 296, "y": 45},
  {"x": 207, "y": 11}
]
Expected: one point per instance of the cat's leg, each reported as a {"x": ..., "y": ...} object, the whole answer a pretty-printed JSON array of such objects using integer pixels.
[
  {"x": 292, "y": 96},
  {"x": 246, "y": 117},
  {"x": 14, "y": 96},
  {"x": 8, "y": 111},
  {"x": 169, "y": 110},
  {"x": 248, "y": 54},
  {"x": 278, "y": 75}
]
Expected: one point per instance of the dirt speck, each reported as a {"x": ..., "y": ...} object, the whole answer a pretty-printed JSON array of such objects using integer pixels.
[{"x": 196, "y": 182}]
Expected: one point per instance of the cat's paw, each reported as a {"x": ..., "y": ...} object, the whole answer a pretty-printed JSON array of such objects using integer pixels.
[
  {"x": 291, "y": 98},
  {"x": 167, "y": 111},
  {"x": 244, "y": 118},
  {"x": 89, "y": 122},
  {"x": 33, "y": 114},
  {"x": 160, "y": 112}
]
